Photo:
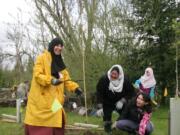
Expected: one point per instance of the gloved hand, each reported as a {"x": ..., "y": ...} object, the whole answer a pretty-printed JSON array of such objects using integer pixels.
[
  {"x": 119, "y": 105},
  {"x": 55, "y": 81},
  {"x": 99, "y": 113},
  {"x": 99, "y": 106},
  {"x": 79, "y": 92},
  {"x": 136, "y": 86}
]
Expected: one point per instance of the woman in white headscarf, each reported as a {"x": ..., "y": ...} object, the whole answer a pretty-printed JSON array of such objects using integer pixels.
[
  {"x": 147, "y": 83},
  {"x": 113, "y": 91}
]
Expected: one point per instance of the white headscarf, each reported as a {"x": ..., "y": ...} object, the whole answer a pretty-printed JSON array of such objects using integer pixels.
[
  {"x": 148, "y": 81},
  {"x": 116, "y": 85}
]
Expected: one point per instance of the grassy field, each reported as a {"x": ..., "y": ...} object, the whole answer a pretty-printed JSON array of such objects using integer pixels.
[{"x": 159, "y": 118}]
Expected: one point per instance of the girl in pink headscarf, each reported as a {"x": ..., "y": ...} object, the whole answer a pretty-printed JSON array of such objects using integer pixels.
[{"x": 147, "y": 83}]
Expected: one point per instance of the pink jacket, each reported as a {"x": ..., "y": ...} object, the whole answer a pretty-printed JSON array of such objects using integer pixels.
[{"x": 143, "y": 123}]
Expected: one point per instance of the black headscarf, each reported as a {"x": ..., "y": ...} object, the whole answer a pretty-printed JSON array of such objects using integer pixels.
[{"x": 57, "y": 61}]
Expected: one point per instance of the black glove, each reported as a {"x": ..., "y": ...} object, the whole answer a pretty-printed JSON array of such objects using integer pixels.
[
  {"x": 55, "y": 81},
  {"x": 78, "y": 92}
]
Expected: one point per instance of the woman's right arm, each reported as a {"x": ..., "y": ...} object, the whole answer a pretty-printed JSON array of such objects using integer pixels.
[
  {"x": 100, "y": 90},
  {"x": 137, "y": 83},
  {"x": 125, "y": 111},
  {"x": 39, "y": 72},
  {"x": 152, "y": 92}
]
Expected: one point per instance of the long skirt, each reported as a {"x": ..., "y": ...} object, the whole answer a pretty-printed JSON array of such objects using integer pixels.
[
  {"x": 41, "y": 130},
  {"x": 38, "y": 130}
]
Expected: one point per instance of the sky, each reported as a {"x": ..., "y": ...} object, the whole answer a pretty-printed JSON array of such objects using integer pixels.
[
  {"x": 10, "y": 6},
  {"x": 8, "y": 13},
  {"x": 8, "y": 10}
]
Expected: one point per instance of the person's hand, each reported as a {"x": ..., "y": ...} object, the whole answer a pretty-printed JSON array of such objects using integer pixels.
[
  {"x": 119, "y": 105},
  {"x": 79, "y": 91},
  {"x": 135, "y": 86},
  {"x": 99, "y": 106},
  {"x": 55, "y": 81},
  {"x": 99, "y": 113}
]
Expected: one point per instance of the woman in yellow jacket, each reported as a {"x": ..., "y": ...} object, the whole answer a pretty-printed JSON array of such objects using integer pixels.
[{"x": 45, "y": 114}]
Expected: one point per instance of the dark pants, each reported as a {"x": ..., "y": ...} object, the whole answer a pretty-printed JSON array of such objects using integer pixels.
[
  {"x": 107, "y": 110},
  {"x": 130, "y": 126}
]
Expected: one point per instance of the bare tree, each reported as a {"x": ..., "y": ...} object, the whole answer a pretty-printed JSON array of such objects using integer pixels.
[
  {"x": 92, "y": 26},
  {"x": 63, "y": 19},
  {"x": 17, "y": 50}
]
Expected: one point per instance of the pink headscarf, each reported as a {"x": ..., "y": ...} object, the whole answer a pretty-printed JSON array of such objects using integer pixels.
[{"x": 148, "y": 81}]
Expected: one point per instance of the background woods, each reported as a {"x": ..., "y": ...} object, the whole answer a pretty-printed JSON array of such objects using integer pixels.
[{"x": 133, "y": 33}]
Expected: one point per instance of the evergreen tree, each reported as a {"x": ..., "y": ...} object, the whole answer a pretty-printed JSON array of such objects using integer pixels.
[{"x": 153, "y": 26}]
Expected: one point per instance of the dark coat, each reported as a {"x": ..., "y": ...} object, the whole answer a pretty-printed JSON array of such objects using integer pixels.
[
  {"x": 106, "y": 96},
  {"x": 132, "y": 112}
]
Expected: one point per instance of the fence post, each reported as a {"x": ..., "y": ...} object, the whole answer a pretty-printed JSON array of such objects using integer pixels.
[
  {"x": 18, "y": 110},
  {"x": 174, "y": 116}
]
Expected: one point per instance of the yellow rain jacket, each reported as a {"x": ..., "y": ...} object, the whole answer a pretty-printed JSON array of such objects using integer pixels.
[{"x": 42, "y": 94}]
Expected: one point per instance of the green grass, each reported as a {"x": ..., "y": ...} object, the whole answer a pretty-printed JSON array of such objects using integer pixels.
[
  {"x": 10, "y": 128},
  {"x": 159, "y": 118}
]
